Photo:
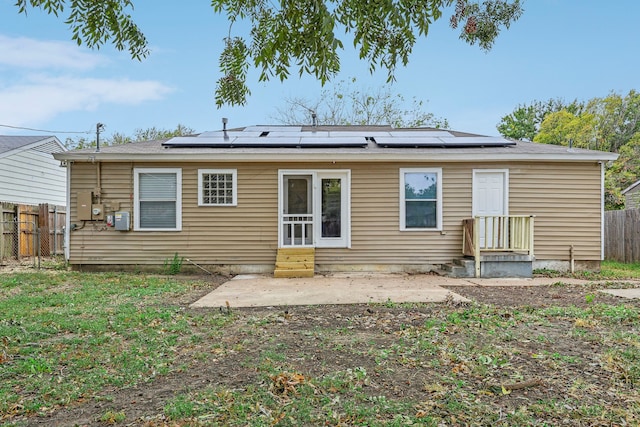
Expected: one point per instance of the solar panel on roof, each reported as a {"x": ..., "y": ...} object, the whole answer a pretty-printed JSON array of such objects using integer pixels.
[
  {"x": 443, "y": 142},
  {"x": 354, "y": 141},
  {"x": 420, "y": 133},
  {"x": 229, "y": 134},
  {"x": 358, "y": 133},
  {"x": 266, "y": 142},
  {"x": 288, "y": 137},
  {"x": 273, "y": 129},
  {"x": 278, "y": 134}
]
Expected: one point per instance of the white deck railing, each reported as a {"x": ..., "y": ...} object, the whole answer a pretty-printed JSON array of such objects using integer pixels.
[
  {"x": 295, "y": 229},
  {"x": 501, "y": 233}
]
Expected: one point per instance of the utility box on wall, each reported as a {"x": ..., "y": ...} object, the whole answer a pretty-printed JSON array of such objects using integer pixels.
[
  {"x": 97, "y": 212},
  {"x": 121, "y": 221},
  {"x": 85, "y": 200}
]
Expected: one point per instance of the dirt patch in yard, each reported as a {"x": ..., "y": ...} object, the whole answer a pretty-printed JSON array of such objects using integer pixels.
[{"x": 501, "y": 351}]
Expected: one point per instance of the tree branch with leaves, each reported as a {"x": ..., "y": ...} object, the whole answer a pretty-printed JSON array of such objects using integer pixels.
[{"x": 301, "y": 36}]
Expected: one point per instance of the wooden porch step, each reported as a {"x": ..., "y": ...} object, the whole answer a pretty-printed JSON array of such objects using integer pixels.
[
  {"x": 292, "y": 273},
  {"x": 295, "y": 262}
]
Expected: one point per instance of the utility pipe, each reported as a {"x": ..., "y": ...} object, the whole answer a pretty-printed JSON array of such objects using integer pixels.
[{"x": 573, "y": 261}]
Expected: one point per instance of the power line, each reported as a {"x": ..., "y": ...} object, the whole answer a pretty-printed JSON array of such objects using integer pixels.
[{"x": 42, "y": 130}]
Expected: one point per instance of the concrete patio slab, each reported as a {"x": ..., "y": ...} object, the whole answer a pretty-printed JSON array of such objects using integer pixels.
[
  {"x": 264, "y": 291},
  {"x": 535, "y": 281},
  {"x": 631, "y": 293},
  {"x": 362, "y": 288}
]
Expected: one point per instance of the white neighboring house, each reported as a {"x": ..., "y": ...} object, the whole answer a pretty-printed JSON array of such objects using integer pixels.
[{"x": 28, "y": 172}]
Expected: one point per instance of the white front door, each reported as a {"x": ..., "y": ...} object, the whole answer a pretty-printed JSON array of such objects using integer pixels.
[
  {"x": 314, "y": 208},
  {"x": 490, "y": 198}
]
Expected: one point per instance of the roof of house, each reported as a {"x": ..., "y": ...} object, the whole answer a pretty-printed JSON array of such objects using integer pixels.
[
  {"x": 631, "y": 187},
  {"x": 12, "y": 142},
  {"x": 322, "y": 143}
]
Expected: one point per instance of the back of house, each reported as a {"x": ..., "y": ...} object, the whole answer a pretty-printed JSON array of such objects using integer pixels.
[{"x": 336, "y": 198}]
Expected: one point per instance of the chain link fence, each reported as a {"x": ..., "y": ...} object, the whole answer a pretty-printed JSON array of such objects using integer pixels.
[{"x": 24, "y": 243}]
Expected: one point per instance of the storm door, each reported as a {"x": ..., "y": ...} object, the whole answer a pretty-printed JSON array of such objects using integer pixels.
[
  {"x": 297, "y": 210},
  {"x": 314, "y": 209}
]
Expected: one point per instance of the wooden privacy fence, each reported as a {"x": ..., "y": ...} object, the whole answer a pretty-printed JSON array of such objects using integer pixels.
[
  {"x": 622, "y": 235},
  {"x": 31, "y": 230}
]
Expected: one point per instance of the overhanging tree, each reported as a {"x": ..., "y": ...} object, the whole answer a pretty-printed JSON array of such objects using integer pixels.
[
  {"x": 346, "y": 104},
  {"x": 296, "y": 35}
]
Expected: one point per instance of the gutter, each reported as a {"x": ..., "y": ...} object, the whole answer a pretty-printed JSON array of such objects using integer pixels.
[{"x": 315, "y": 156}]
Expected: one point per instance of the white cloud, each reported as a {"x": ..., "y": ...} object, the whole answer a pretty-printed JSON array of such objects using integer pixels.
[
  {"x": 39, "y": 98},
  {"x": 23, "y": 52},
  {"x": 59, "y": 81}
]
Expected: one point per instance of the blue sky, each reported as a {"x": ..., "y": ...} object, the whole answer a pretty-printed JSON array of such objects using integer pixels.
[{"x": 558, "y": 49}]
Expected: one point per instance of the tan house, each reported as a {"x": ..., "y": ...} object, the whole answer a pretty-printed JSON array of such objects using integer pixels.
[{"x": 340, "y": 198}]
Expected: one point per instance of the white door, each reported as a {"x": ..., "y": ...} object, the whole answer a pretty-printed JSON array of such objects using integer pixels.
[
  {"x": 314, "y": 208},
  {"x": 490, "y": 198},
  {"x": 332, "y": 209}
]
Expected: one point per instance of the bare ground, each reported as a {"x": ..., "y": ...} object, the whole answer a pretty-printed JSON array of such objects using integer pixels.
[{"x": 298, "y": 333}]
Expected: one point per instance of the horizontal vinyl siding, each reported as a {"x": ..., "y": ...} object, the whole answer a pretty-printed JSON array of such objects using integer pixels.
[
  {"x": 243, "y": 234},
  {"x": 564, "y": 197},
  {"x": 32, "y": 177},
  {"x": 566, "y": 200},
  {"x": 375, "y": 224}
]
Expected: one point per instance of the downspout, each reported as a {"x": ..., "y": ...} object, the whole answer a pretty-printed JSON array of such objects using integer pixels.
[
  {"x": 67, "y": 225},
  {"x": 98, "y": 190}
]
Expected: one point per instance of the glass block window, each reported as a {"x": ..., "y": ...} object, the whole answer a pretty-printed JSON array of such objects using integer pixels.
[{"x": 217, "y": 187}]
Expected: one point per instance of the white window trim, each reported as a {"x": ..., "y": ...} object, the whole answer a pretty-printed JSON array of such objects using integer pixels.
[
  {"x": 234, "y": 177},
  {"x": 439, "y": 198},
  {"x": 314, "y": 177},
  {"x": 136, "y": 197}
]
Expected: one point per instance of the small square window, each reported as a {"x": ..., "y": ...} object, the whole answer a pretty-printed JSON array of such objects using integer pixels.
[{"x": 217, "y": 187}]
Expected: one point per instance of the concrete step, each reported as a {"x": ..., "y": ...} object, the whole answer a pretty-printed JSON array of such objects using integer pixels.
[
  {"x": 459, "y": 267},
  {"x": 452, "y": 270},
  {"x": 492, "y": 265}
]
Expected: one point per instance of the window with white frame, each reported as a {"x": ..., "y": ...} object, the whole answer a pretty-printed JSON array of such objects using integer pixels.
[
  {"x": 217, "y": 187},
  {"x": 421, "y": 199},
  {"x": 157, "y": 199}
]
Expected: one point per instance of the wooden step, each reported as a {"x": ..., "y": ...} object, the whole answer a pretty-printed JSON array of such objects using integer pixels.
[
  {"x": 287, "y": 254},
  {"x": 295, "y": 262},
  {"x": 292, "y": 273},
  {"x": 293, "y": 265}
]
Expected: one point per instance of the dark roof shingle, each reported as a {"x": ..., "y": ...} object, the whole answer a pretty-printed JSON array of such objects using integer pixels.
[{"x": 11, "y": 142}]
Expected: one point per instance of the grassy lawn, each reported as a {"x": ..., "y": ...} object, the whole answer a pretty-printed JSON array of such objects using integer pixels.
[
  {"x": 618, "y": 270},
  {"x": 73, "y": 343}
]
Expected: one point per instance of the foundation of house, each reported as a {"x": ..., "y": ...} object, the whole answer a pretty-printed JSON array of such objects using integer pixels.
[{"x": 492, "y": 265}]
